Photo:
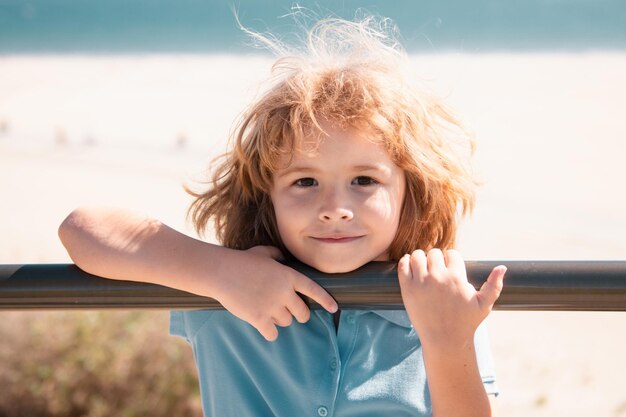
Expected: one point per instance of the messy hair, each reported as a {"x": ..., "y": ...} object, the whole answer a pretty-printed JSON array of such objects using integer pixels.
[{"x": 350, "y": 74}]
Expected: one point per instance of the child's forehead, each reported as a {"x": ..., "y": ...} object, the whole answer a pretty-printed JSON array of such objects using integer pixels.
[
  {"x": 313, "y": 138},
  {"x": 354, "y": 140},
  {"x": 311, "y": 144}
]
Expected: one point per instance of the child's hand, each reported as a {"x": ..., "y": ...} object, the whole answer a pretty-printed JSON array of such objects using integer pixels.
[
  {"x": 258, "y": 289},
  {"x": 443, "y": 306}
]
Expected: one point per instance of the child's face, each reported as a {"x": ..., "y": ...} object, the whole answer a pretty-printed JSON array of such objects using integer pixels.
[{"x": 338, "y": 208}]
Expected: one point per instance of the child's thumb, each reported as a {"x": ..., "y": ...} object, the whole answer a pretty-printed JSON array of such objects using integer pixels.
[{"x": 492, "y": 287}]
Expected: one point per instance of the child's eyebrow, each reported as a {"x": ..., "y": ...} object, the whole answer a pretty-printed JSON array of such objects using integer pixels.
[
  {"x": 379, "y": 168},
  {"x": 356, "y": 168},
  {"x": 293, "y": 169}
]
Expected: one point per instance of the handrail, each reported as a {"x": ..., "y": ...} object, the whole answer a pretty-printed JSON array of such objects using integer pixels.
[{"x": 529, "y": 285}]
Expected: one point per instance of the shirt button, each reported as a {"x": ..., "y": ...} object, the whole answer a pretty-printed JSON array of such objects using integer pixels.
[
  {"x": 322, "y": 411},
  {"x": 333, "y": 364},
  {"x": 351, "y": 319}
]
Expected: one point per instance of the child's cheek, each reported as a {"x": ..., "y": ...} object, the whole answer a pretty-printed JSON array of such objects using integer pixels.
[
  {"x": 384, "y": 205},
  {"x": 292, "y": 212},
  {"x": 296, "y": 202}
]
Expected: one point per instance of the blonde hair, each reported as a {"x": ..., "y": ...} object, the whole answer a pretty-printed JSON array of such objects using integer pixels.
[{"x": 350, "y": 74}]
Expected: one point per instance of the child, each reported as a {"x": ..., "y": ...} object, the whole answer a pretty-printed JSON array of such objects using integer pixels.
[{"x": 339, "y": 163}]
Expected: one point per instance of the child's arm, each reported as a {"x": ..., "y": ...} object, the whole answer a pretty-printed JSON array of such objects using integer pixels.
[
  {"x": 250, "y": 284},
  {"x": 445, "y": 310}
]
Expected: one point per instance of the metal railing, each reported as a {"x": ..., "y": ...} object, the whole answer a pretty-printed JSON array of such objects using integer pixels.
[{"x": 529, "y": 285}]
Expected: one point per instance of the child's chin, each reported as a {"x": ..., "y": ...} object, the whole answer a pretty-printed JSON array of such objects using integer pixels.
[{"x": 335, "y": 267}]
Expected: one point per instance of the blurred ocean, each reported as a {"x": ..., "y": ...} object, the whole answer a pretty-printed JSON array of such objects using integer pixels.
[{"x": 197, "y": 26}]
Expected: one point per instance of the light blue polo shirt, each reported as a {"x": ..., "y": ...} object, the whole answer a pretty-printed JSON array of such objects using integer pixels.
[{"x": 373, "y": 366}]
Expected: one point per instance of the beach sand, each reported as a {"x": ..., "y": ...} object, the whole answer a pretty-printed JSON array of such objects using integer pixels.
[{"x": 550, "y": 128}]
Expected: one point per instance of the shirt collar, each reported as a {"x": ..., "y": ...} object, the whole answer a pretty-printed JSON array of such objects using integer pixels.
[{"x": 398, "y": 317}]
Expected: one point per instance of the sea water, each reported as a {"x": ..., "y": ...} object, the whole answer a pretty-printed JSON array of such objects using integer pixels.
[{"x": 131, "y": 26}]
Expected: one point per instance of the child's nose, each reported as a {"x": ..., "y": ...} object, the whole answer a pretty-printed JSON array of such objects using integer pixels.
[
  {"x": 339, "y": 214},
  {"x": 335, "y": 207}
]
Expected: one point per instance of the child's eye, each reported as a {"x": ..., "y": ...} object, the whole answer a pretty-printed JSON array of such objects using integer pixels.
[
  {"x": 305, "y": 182},
  {"x": 363, "y": 180}
]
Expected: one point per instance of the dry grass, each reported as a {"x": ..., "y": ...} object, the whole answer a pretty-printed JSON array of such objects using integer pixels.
[{"x": 94, "y": 364}]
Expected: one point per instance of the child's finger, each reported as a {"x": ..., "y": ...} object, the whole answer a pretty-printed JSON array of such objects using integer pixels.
[
  {"x": 454, "y": 260},
  {"x": 315, "y": 292},
  {"x": 283, "y": 318},
  {"x": 435, "y": 260},
  {"x": 491, "y": 289},
  {"x": 419, "y": 264},
  {"x": 299, "y": 309},
  {"x": 268, "y": 330},
  {"x": 404, "y": 269}
]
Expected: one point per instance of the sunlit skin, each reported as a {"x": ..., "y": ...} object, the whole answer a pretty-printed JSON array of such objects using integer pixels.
[{"x": 338, "y": 206}]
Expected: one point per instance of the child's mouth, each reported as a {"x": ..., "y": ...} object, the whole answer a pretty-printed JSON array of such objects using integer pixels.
[{"x": 342, "y": 239}]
